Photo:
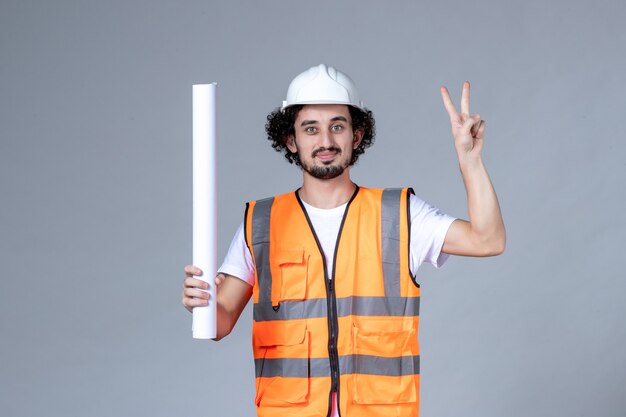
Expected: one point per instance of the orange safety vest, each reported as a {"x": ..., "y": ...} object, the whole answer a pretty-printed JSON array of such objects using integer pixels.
[{"x": 354, "y": 332}]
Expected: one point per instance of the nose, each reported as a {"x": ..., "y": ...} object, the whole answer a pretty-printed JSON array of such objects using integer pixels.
[{"x": 326, "y": 139}]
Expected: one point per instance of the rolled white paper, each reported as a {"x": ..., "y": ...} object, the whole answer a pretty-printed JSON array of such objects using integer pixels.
[{"x": 205, "y": 204}]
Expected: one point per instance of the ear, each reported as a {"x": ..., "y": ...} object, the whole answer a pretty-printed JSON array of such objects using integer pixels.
[
  {"x": 291, "y": 144},
  {"x": 358, "y": 137}
]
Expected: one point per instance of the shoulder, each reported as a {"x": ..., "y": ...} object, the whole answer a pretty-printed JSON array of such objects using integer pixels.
[
  {"x": 278, "y": 197},
  {"x": 417, "y": 203},
  {"x": 387, "y": 191}
]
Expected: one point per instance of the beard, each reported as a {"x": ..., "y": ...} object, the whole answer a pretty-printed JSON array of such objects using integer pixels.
[{"x": 325, "y": 172}]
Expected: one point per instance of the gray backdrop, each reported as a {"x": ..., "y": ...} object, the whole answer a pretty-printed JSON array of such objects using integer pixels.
[{"x": 95, "y": 182}]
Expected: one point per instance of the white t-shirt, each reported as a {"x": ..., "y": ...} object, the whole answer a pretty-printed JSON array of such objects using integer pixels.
[{"x": 428, "y": 231}]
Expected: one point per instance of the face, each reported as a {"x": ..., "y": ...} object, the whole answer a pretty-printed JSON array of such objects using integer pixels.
[{"x": 324, "y": 139}]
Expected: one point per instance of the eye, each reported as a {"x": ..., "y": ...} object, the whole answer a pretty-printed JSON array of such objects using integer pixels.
[
  {"x": 310, "y": 130},
  {"x": 337, "y": 128}
]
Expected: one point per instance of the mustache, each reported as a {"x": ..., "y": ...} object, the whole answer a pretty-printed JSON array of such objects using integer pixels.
[{"x": 331, "y": 149}]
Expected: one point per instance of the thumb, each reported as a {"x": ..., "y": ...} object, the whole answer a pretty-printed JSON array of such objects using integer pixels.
[
  {"x": 471, "y": 121},
  {"x": 219, "y": 278}
]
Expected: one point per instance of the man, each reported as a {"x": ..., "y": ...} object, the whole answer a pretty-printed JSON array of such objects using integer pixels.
[{"x": 331, "y": 267}]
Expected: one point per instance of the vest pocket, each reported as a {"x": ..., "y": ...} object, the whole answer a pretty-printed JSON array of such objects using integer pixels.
[
  {"x": 291, "y": 265},
  {"x": 283, "y": 372},
  {"x": 384, "y": 365}
]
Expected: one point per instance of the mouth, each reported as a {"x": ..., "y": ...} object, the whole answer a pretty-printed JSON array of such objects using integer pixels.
[{"x": 326, "y": 154}]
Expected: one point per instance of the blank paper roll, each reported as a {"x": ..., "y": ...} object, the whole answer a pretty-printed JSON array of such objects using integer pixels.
[{"x": 205, "y": 204}]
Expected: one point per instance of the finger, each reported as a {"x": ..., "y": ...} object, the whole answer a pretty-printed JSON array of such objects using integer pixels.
[
  {"x": 465, "y": 98},
  {"x": 194, "y": 302},
  {"x": 447, "y": 102},
  {"x": 195, "y": 293},
  {"x": 474, "y": 129},
  {"x": 468, "y": 125},
  {"x": 193, "y": 270},
  {"x": 476, "y": 125},
  {"x": 194, "y": 298},
  {"x": 481, "y": 129},
  {"x": 190, "y": 282}
]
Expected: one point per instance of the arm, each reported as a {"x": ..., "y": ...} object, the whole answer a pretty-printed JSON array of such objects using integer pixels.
[
  {"x": 484, "y": 233},
  {"x": 232, "y": 296}
]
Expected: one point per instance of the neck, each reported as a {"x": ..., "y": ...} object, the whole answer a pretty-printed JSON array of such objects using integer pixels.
[{"x": 327, "y": 194}]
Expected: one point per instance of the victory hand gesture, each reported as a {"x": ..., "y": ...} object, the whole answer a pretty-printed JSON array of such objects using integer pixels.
[{"x": 467, "y": 130}]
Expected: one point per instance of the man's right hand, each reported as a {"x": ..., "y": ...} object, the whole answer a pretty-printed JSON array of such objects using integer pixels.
[{"x": 195, "y": 290}]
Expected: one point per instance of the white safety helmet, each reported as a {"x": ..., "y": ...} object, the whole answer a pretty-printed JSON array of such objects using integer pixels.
[{"x": 322, "y": 85}]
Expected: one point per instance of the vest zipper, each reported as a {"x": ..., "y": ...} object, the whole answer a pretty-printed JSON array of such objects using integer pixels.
[
  {"x": 331, "y": 303},
  {"x": 333, "y": 334}
]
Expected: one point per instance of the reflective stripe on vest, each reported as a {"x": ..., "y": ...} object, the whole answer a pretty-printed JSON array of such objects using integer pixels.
[
  {"x": 390, "y": 224},
  {"x": 316, "y": 367},
  {"x": 357, "y": 305},
  {"x": 374, "y": 309},
  {"x": 261, "y": 247}
]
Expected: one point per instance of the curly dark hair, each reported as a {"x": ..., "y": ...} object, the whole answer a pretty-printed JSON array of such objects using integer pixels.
[{"x": 280, "y": 125}]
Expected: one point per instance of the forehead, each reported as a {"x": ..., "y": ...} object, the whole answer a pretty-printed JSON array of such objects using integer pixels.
[{"x": 323, "y": 112}]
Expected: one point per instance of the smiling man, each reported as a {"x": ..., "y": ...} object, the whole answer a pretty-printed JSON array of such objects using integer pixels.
[
  {"x": 330, "y": 140},
  {"x": 332, "y": 267}
]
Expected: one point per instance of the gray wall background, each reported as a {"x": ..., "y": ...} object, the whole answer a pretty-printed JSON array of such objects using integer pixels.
[{"x": 95, "y": 182}]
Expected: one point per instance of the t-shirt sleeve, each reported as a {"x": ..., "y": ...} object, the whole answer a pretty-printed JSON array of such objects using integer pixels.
[
  {"x": 238, "y": 261},
  {"x": 429, "y": 226}
]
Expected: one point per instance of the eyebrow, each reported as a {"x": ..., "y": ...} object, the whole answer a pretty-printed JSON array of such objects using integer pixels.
[{"x": 334, "y": 119}]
